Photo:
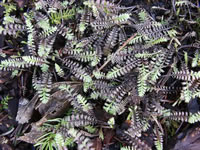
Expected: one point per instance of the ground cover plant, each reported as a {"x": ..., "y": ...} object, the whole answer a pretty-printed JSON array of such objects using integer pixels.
[{"x": 99, "y": 75}]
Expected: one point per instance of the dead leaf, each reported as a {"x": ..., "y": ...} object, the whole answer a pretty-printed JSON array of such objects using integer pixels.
[
  {"x": 6, "y": 147},
  {"x": 190, "y": 142},
  {"x": 56, "y": 106},
  {"x": 108, "y": 136},
  {"x": 25, "y": 109},
  {"x": 98, "y": 144},
  {"x": 21, "y": 3},
  {"x": 32, "y": 136}
]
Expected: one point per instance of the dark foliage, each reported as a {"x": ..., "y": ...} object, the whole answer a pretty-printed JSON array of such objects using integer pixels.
[{"x": 91, "y": 66}]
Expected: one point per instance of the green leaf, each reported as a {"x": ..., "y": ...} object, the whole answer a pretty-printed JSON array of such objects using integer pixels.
[
  {"x": 44, "y": 68},
  {"x": 59, "y": 70},
  {"x": 82, "y": 27},
  {"x": 59, "y": 139},
  {"x": 111, "y": 122}
]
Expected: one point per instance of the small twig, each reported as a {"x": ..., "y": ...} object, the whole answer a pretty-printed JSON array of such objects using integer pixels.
[
  {"x": 159, "y": 125},
  {"x": 167, "y": 77},
  {"x": 125, "y": 43},
  {"x": 89, "y": 134},
  {"x": 179, "y": 127},
  {"x": 119, "y": 140},
  {"x": 167, "y": 100},
  {"x": 188, "y": 46},
  {"x": 3, "y": 118},
  {"x": 173, "y": 5}
]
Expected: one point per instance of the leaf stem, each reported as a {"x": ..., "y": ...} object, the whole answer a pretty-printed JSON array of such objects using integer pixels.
[{"x": 125, "y": 43}]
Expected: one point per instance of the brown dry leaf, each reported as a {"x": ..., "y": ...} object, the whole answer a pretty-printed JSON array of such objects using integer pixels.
[
  {"x": 25, "y": 109},
  {"x": 6, "y": 147},
  {"x": 32, "y": 136},
  {"x": 54, "y": 110},
  {"x": 21, "y": 3},
  {"x": 108, "y": 135},
  {"x": 54, "y": 104},
  {"x": 190, "y": 142},
  {"x": 4, "y": 77},
  {"x": 2, "y": 81},
  {"x": 98, "y": 144},
  {"x": 57, "y": 104}
]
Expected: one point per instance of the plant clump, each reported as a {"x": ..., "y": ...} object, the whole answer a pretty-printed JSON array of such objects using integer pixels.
[{"x": 96, "y": 72}]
